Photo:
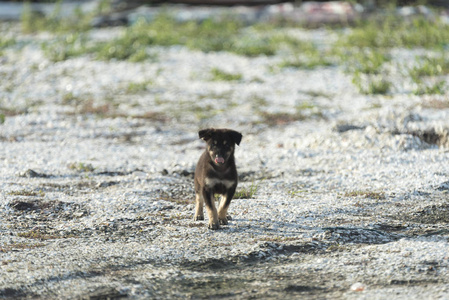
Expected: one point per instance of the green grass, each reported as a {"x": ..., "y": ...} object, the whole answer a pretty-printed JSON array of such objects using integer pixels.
[
  {"x": 66, "y": 46},
  {"x": 371, "y": 85},
  {"x": 247, "y": 193},
  {"x": 226, "y": 34},
  {"x": 308, "y": 63},
  {"x": 304, "y": 55},
  {"x": 81, "y": 167},
  {"x": 34, "y": 22},
  {"x": 6, "y": 42},
  {"x": 363, "y": 51},
  {"x": 220, "y": 75},
  {"x": 391, "y": 31},
  {"x": 367, "y": 61},
  {"x": 426, "y": 75},
  {"x": 440, "y": 87},
  {"x": 430, "y": 66},
  {"x": 138, "y": 87}
]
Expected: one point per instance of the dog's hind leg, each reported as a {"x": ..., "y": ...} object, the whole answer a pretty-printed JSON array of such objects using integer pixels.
[{"x": 199, "y": 214}]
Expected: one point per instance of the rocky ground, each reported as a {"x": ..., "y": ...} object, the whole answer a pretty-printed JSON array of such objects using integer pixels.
[{"x": 342, "y": 195}]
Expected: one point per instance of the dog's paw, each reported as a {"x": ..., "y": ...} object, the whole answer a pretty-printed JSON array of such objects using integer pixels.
[
  {"x": 229, "y": 217},
  {"x": 198, "y": 218},
  {"x": 214, "y": 226},
  {"x": 224, "y": 221}
]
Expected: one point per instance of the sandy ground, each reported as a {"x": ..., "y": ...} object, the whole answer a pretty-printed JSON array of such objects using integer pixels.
[{"x": 350, "y": 192}]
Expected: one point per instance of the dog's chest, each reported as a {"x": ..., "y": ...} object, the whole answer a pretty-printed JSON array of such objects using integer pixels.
[{"x": 219, "y": 184}]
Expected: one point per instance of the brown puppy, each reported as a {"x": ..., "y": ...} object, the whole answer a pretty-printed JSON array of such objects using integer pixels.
[{"x": 216, "y": 174}]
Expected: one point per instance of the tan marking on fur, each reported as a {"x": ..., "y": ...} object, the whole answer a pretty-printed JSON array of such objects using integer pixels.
[
  {"x": 199, "y": 203},
  {"x": 213, "y": 216},
  {"x": 222, "y": 211}
]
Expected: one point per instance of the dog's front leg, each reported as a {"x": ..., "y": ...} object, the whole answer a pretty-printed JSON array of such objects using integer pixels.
[
  {"x": 224, "y": 205},
  {"x": 211, "y": 210},
  {"x": 199, "y": 215}
]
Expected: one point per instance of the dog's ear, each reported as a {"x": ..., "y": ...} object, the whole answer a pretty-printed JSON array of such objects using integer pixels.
[
  {"x": 205, "y": 134},
  {"x": 236, "y": 136}
]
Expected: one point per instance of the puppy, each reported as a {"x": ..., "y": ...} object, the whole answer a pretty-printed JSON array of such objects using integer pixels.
[{"x": 216, "y": 173}]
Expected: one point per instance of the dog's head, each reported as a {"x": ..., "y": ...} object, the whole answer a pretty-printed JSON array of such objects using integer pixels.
[{"x": 220, "y": 143}]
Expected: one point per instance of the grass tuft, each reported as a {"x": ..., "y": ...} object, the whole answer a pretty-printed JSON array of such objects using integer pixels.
[
  {"x": 220, "y": 75},
  {"x": 81, "y": 167},
  {"x": 247, "y": 193},
  {"x": 366, "y": 194}
]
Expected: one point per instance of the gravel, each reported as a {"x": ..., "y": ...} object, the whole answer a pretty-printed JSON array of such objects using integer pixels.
[{"x": 353, "y": 204}]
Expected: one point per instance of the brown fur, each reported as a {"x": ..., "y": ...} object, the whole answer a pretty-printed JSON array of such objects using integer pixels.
[{"x": 216, "y": 173}]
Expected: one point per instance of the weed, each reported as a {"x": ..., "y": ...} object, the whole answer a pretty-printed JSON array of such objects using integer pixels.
[
  {"x": 65, "y": 47},
  {"x": 366, "y": 194},
  {"x": 38, "y": 235},
  {"x": 438, "y": 88},
  {"x": 33, "y": 22},
  {"x": 388, "y": 31},
  {"x": 367, "y": 61},
  {"x": 138, "y": 87},
  {"x": 430, "y": 67},
  {"x": 226, "y": 34},
  {"x": 220, "y": 75},
  {"x": 27, "y": 193},
  {"x": 305, "y": 55},
  {"x": 371, "y": 85},
  {"x": 308, "y": 63},
  {"x": 81, "y": 167},
  {"x": 296, "y": 193},
  {"x": 6, "y": 43},
  {"x": 247, "y": 193}
]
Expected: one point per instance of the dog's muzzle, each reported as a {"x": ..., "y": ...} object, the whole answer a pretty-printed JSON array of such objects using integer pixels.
[{"x": 219, "y": 160}]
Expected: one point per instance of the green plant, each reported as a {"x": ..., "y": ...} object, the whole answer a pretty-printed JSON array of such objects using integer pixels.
[
  {"x": 225, "y": 34},
  {"x": 389, "y": 31},
  {"x": 81, "y": 167},
  {"x": 137, "y": 87},
  {"x": 371, "y": 85},
  {"x": 429, "y": 66},
  {"x": 306, "y": 62},
  {"x": 247, "y": 193},
  {"x": 33, "y": 22},
  {"x": 6, "y": 42},
  {"x": 297, "y": 193},
  {"x": 220, "y": 75},
  {"x": 66, "y": 46},
  {"x": 367, "y": 61},
  {"x": 438, "y": 88}
]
